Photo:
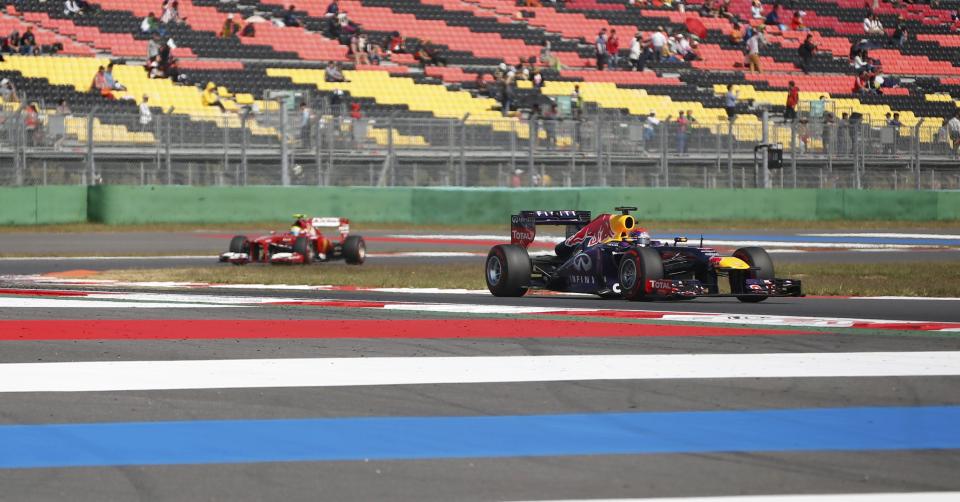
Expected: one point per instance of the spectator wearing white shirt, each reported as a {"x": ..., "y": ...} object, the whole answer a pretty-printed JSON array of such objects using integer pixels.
[
  {"x": 145, "y": 116},
  {"x": 658, "y": 40},
  {"x": 872, "y": 25},
  {"x": 756, "y": 10}
]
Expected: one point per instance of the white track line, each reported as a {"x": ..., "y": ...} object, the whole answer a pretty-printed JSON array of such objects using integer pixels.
[
  {"x": 886, "y": 235},
  {"x": 839, "y": 497},
  {"x": 47, "y": 303},
  {"x": 336, "y": 372}
]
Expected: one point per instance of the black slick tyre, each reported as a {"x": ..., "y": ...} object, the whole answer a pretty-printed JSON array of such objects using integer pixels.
[
  {"x": 758, "y": 258},
  {"x": 354, "y": 250},
  {"x": 238, "y": 244},
  {"x": 507, "y": 270},
  {"x": 637, "y": 266},
  {"x": 302, "y": 245}
]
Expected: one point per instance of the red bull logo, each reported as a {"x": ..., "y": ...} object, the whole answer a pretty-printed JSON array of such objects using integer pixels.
[{"x": 593, "y": 233}]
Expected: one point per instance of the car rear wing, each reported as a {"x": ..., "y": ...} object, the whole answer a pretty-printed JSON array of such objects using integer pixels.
[
  {"x": 341, "y": 224},
  {"x": 523, "y": 226}
]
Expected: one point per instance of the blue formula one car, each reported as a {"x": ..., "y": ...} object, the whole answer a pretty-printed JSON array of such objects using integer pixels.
[{"x": 611, "y": 256}]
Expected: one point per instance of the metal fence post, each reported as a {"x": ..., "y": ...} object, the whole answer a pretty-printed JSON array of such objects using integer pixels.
[
  {"x": 532, "y": 132},
  {"x": 318, "y": 154},
  {"x": 793, "y": 150},
  {"x": 916, "y": 155},
  {"x": 463, "y": 150},
  {"x": 19, "y": 148},
  {"x": 730, "y": 150},
  {"x": 284, "y": 148},
  {"x": 664, "y": 163},
  {"x": 91, "y": 163},
  {"x": 169, "y": 139},
  {"x": 243, "y": 147},
  {"x": 765, "y": 152},
  {"x": 226, "y": 147}
]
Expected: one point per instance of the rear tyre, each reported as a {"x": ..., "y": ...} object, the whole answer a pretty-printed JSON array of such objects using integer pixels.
[
  {"x": 637, "y": 266},
  {"x": 239, "y": 244},
  {"x": 507, "y": 270},
  {"x": 302, "y": 245},
  {"x": 354, "y": 250},
  {"x": 755, "y": 257}
]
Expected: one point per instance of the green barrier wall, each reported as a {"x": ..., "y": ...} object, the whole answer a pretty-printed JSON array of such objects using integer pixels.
[
  {"x": 41, "y": 205},
  {"x": 175, "y": 204}
]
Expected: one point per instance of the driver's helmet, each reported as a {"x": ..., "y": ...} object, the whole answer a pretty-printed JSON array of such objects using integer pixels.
[
  {"x": 295, "y": 230},
  {"x": 642, "y": 237}
]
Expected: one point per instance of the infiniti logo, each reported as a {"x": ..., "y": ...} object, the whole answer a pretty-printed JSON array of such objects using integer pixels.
[{"x": 582, "y": 262}]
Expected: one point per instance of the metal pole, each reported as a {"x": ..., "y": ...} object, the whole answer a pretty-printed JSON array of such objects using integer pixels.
[
  {"x": 916, "y": 154},
  {"x": 730, "y": 151},
  {"x": 532, "y": 145},
  {"x": 243, "y": 147},
  {"x": 91, "y": 163},
  {"x": 664, "y": 164},
  {"x": 318, "y": 154},
  {"x": 451, "y": 129},
  {"x": 463, "y": 149},
  {"x": 226, "y": 147},
  {"x": 169, "y": 160},
  {"x": 765, "y": 153},
  {"x": 284, "y": 148},
  {"x": 390, "y": 150},
  {"x": 858, "y": 158},
  {"x": 793, "y": 151}
]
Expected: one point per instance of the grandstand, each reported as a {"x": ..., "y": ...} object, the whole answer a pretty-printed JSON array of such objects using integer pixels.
[{"x": 475, "y": 38}]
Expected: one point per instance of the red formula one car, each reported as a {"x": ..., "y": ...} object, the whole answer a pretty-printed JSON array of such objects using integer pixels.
[{"x": 303, "y": 243}]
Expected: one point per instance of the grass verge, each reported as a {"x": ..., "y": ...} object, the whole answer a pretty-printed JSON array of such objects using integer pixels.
[
  {"x": 900, "y": 279},
  {"x": 654, "y": 225}
]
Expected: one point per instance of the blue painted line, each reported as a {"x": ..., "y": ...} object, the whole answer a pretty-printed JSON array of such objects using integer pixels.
[
  {"x": 819, "y": 239},
  {"x": 239, "y": 441}
]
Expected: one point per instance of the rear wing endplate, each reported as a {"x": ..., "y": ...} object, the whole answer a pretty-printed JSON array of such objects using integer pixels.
[{"x": 523, "y": 226}]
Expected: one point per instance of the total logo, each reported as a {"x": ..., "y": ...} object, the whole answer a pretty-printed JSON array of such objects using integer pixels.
[{"x": 661, "y": 284}]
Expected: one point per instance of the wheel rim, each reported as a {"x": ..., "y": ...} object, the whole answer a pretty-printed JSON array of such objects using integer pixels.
[
  {"x": 628, "y": 274},
  {"x": 362, "y": 251},
  {"x": 494, "y": 270}
]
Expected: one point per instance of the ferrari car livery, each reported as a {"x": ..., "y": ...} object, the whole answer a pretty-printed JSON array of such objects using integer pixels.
[
  {"x": 303, "y": 243},
  {"x": 611, "y": 256}
]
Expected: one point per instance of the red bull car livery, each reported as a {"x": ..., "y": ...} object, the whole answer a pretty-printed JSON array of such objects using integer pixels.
[
  {"x": 611, "y": 256},
  {"x": 303, "y": 243}
]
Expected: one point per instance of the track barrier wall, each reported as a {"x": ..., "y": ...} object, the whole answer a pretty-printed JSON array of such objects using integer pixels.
[
  {"x": 162, "y": 204},
  {"x": 39, "y": 205},
  {"x": 115, "y": 204}
]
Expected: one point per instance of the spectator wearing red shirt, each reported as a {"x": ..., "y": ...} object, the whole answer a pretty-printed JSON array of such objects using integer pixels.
[
  {"x": 613, "y": 50},
  {"x": 793, "y": 98}
]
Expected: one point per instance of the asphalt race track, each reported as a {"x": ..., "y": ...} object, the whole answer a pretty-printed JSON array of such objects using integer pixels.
[{"x": 210, "y": 393}]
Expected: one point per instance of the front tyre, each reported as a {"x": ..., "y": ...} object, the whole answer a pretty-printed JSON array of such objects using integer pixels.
[
  {"x": 239, "y": 244},
  {"x": 507, "y": 270},
  {"x": 303, "y": 246},
  {"x": 354, "y": 250},
  {"x": 637, "y": 266},
  {"x": 757, "y": 258}
]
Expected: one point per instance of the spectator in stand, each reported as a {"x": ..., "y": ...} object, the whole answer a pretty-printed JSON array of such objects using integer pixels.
[
  {"x": 333, "y": 73},
  {"x": 650, "y": 127},
  {"x": 576, "y": 102},
  {"x": 211, "y": 97},
  {"x": 145, "y": 115},
  {"x": 374, "y": 53},
  {"x": 395, "y": 45},
  {"x": 99, "y": 84},
  {"x": 155, "y": 68},
  {"x": 8, "y": 92},
  {"x": 872, "y": 25},
  {"x": 153, "y": 46},
  {"x": 537, "y": 79},
  {"x": 427, "y": 55},
  {"x": 63, "y": 108},
  {"x": 796, "y": 22},
  {"x": 290, "y": 18},
  {"x": 28, "y": 43},
  {"x": 151, "y": 24},
  {"x": 111, "y": 81},
  {"x": 895, "y": 124},
  {"x": 861, "y": 62},
  {"x": 953, "y": 131},
  {"x": 548, "y": 58},
  {"x": 860, "y": 84},
  {"x": 230, "y": 27},
  {"x": 694, "y": 53},
  {"x": 773, "y": 17},
  {"x": 600, "y": 48},
  {"x": 613, "y": 50},
  {"x": 806, "y": 52},
  {"x": 31, "y": 122},
  {"x": 358, "y": 48},
  {"x": 899, "y": 36},
  {"x": 736, "y": 34},
  {"x": 72, "y": 8},
  {"x": 754, "y": 43},
  {"x": 355, "y": 113},
  {"x": 171, "y": 14},
  {"x": 306, "y": 118},
  {"x": 793, "y": 99},
  {"x": 756, "y": 10},
  {"x": 682, "y": 124},
  {"x": 730, "y": 102},
  {"x": 638, "y": 54},
  {"x": 332, "y": 9},
  {"x": 658, "y": 40},
  {"x": 11, "y": 44}
]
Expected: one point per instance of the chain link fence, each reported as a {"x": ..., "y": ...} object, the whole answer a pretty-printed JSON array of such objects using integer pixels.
[{"x": 302, "y": 148}]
